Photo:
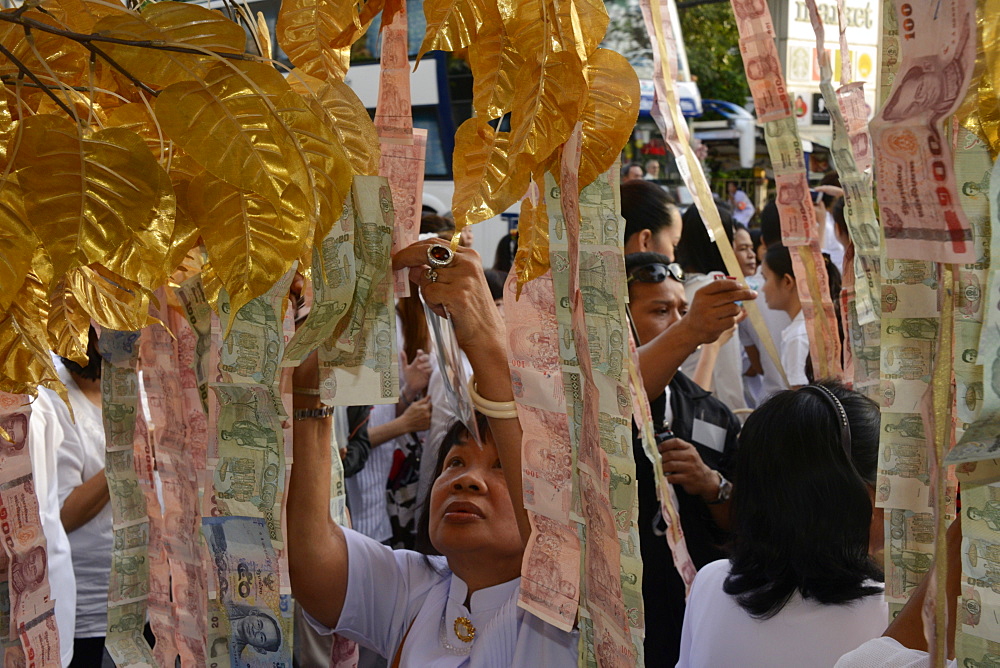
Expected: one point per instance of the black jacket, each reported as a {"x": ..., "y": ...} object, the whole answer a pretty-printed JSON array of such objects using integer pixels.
[{"x": 662, "y": 588}]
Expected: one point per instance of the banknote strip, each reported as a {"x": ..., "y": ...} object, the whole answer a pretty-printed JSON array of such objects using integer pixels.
[
  {"x": 31, "y": 606},
  {"x": 861, "y": 275},
  {"x": 602, "y": 596},
  {"x": 362, "y": 366},
  {"x": 980, "y": 594},
  {"x": 334, "y": 273},
  {"x": 402, "y": 151},
  {"x": 979, "y": 439},
  {"x": 187, "y": 463},
  {"x": 888, "y": 52},
  {"x": 795, "y": 208},
  {"x": 550, "y": 578},
  {"x": 668, "y": 117},
  {"x": 919, "y": 206},
  {"x": 909, "y": 339},
  {"x": 258, "y": 613},
  {"x": 128, "y": 588}
]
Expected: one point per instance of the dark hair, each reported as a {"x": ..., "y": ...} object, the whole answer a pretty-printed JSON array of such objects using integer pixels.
[
  {"x": 779, "y": 260},
  {"x": 801, "y": 511},
  {"x": 737, "y": 226},
  {"x": 495, "y": 279},
  {"x": 770, "y": 224},
  {"x": 755, "y": 237},
  {"x": 645, "y": 206},
  {"x": 635, "y": 260},
  {"x": 456, "y": 434},
  {"x": 629, "y": 166},
  {"x": 435, "y": 224},
  {"x": 503, "y": 259},
  {"x": 696, "y": 252}
]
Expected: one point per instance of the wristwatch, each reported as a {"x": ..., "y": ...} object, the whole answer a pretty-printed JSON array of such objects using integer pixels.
[
  {"x": 307, "y": 413},
  {"x": 725, "y": 490}
]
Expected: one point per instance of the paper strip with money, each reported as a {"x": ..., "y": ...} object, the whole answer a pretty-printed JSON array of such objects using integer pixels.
[
  {"x": 362, "y": 367},
  {"x": 918, "y": 201},
  {"x": 668, "y": 117},
  {"x": 248, "y": 591},
  {"x": 129, "y": 584},
  {"x": 31, "y": 605}
]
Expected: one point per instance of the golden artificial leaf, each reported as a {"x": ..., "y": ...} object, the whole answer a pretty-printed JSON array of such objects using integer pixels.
[
  {"x": 17, "y": 242},
  {"x": 25, "y": 362},
  {"x": 264, "y": 36},
  {"x": 142, "y": 256},
  {"x": 609, "y": 114},
  {"x": 86, "y": 198},
  {"x": 549, "y": 94},
  {"x": 177, "y": 23},
  {"x": 317, "y": 35},
  {"x": 486, "y": 182},
  {"x": 494, "y": 61},
  {"x": 228, "y": 125},
  {"x": 249, "y": 240},
  {"x": 346, "y": 116},
  {"x": 329, "y": 169},
  {"x": 68, "y": 325},
  {"x": 80, "y": 15},
  {"x": 211, "y": 285},
  {"x": 81, "y": 105},
  {"x": 137, "y": 117},
  {"x": 112, "y": 301},
  {"x": 8, "y": 127},
  {"x": 581, "y": 25},
  {"x": 52, "y": 58},
  {"x": 452, "y": 24},
  {"x": 532, "y": 258}
]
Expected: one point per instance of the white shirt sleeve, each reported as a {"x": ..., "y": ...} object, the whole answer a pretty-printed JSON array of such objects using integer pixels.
[
  {"x": 885, "y": 653},
  {"x": 385, "y": 590},
  {"x": 69, "y": 458}
]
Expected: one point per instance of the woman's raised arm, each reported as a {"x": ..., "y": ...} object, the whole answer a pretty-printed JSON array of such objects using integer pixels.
[{"x": 460, "y": 289}]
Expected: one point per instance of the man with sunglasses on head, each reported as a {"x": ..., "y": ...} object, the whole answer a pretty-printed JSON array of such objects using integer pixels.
[{"x": 696, "y": 435}]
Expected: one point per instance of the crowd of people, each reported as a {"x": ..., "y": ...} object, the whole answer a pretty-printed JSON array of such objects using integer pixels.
[{"x": 774, "y": 472}]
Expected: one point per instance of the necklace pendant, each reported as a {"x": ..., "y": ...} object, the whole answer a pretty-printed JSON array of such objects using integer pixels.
[{"x": 464, "y": 629}]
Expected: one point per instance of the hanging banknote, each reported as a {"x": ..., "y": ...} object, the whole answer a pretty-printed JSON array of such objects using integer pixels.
[
  {"x": 129, "y": 585},
  {"x": 922, "y": 217}
]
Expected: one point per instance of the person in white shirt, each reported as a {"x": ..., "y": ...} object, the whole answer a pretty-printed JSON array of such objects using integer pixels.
[
  {"x": 801, "y": 586},
  {"x": 739, "y": 201},
  {"x": 85, "y": 511},
  {"x": 781, "y": 294},
  {"x": 455, "y": 610}
]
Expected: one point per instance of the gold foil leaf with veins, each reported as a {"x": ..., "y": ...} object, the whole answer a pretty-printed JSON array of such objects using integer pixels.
[
  {"x": 609, "y": 114},
  {"x": 532, "y": 259},
  {"x": 231, "y": 130},
  {"x": 68, "y": 325},
  {"x": 250, "y": 241},
  {"x": 346, "y": 116},
  {"x": 17, "y": 242},
  {"x": 486, "y": 182},
  {"x": 181, "y": 24},
  {"x": 329, "y": 168},
  {"x": 80, "y": 15},
  {"x": 494, "y": 61},
  {"x": 452, "y": 24},
  {"x": 88, "y": 197},
  {"x": 317, "y": 35},
  {"x": 112, "y": 301},
  {"x": 25, "y": 361}
]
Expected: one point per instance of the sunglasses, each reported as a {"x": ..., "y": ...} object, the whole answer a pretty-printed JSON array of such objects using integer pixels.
[{"x": 657, "y": 272}]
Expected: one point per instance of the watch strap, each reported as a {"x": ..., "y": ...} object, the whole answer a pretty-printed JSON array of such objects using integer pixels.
[{"x": 308, "y": 413}]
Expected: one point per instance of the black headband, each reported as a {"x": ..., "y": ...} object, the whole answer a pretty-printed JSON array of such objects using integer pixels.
[{"x": 831, "y": 399}]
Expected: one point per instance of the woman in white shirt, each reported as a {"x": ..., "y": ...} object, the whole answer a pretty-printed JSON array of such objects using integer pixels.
[
  {"x": 459, "y": 609},
  {"x": 801, "y": 586}
]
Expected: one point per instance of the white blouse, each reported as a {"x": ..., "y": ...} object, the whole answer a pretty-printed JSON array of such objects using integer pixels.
[{"x": 397, "y": 593}]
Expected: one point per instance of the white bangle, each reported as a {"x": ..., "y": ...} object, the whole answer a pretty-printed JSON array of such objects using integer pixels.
[{"x": 503, "y": 410}]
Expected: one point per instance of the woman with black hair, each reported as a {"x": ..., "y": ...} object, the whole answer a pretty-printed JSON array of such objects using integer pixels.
[
  {"x": 801, "y": 586},
  {"x": 459, "y": 609}
]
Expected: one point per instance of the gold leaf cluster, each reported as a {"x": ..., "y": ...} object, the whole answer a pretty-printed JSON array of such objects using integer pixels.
[
  {"x": 537, "y": 72},
  {"x": 130, "y": 139}
]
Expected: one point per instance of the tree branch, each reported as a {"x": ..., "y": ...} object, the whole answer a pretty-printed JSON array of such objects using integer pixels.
[
  {"x": 23, "y": 69},
  {"x": 10, "y": 78},
  {"x": 98, "y": 51},
  {"x": 86, "y": 39}
]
